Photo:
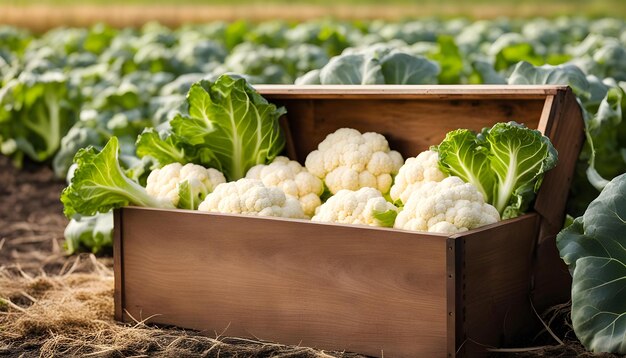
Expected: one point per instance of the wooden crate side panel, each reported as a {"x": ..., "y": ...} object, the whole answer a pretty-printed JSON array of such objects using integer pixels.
[
  {"x": 118, "y": 270},
  {"x": 327, "y": 286},
  {"x": 496, "y": 264},
  {"x": 551, "y": 279},
  {"x": 410, "y": 126}
]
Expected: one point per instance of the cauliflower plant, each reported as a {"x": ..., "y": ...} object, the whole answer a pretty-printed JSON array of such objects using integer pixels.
[
  {"x": 190, "y": 182},
  {"x": 366, "y": 206},
  {"x": 347, "y": 159},
  {"x": 414, "y": 173},
  {"x": 448, "y": 206},
  {"x": 293, "y": 179},
  {"x": 251, "y": 197}
]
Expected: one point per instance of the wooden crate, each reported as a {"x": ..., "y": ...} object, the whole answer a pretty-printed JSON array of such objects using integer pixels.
[{"x": 375, "y": 291}]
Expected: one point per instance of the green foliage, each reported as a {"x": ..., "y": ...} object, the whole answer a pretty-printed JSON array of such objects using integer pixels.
[
  {"x": 374, "y": 68},
  {"x": 505, "y": 162},
  {"x": 164, "y": 148},
  {"x": 99, "y": 184},
  {"x": 35, "y": 114},
  {"x": 229, "y": 120},
  {"x": 603, "y": 105},
  {"x": 93, "y": 233},
  {"x": 462, "y": 154},
  {"x": 594, "y": 249}
]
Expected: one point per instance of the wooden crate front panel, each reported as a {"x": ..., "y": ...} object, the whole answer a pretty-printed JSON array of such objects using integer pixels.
[
  {"x": 410, "y": 125},
  {"x": 374, "y": 291}
]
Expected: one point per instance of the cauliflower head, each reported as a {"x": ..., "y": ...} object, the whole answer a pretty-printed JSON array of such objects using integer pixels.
[
  {"x": 347, "y": 159},
  {"x": 251, "y": 197},
  {"x": 414, "y": 173},
  {"x": 448, "y": 206},
  {"x": 293, "y": 179},
  {"x": 197, "y": 181},
  {"x": 366, "y": 206}
]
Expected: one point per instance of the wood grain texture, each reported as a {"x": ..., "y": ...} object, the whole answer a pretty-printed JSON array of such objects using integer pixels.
[
  {"x": 407, "y": 91},
  {"x": 375, "y": 291},
  {"x": 118, "y": 271},
  {"x": 551, "y": 279},
  {"x": 410, "y": 126},
  {"x": 495, "y": 266}
]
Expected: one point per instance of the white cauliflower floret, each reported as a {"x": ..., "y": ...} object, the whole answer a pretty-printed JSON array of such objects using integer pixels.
[
  {"x": 251, "y": 197},
  {"x": 414, "y": 173},
  {"x": 448, "y": 206},
  {"x": 164, "y": 183},
  {"x": 293, "y": 179},
  {"x": 365, "y": 207},
  {"x": 347, "y": 159}
]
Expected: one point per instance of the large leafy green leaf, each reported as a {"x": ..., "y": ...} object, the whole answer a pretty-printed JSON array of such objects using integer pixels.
[
  {"x": 375, "y": 66},
  {"x": 462, "y": 154},
  {"x": 527, "y": 74},
  {"x": 505, "y": 162},
  {"x": 35, "y": 113},
  {"x": 99, "y": 184},
  {"x": 604, "y": 143},
  {"x": 164, "y": 148},
  {"x": 231, "y": 121},
  {"x": 594, "y": 247},
  {"x": 354, "y": 69},
  {"x": 404, "y": 69},
  {"x": 519, "y": 158}
]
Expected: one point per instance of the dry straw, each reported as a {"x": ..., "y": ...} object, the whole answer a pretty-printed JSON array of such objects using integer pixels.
[{"x": 71, "y": 314}]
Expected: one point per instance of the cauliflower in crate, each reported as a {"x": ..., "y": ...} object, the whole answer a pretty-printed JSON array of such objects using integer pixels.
[
  {"x": 365, "y": 206},
  {"x": 414, "y": 173},
  {"x": 293, "y": 179},
  {"x": 347, "y": 159},
  {"x": 448, "y": 206},
  {"x": 185, "y": 186},
  {"x": 251, "y": 197}
]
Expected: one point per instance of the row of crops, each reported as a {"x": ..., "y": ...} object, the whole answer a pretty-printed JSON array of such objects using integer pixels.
[{"x": 70, "y": 88}]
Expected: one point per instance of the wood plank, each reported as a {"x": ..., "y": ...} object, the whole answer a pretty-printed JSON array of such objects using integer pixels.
[
  {"x": 495, "y": 281},
  {"x": 552, "y": 281},
  {"x": 410, "y": 126},
  {"x": 369, "y": 290},
  {"x": 118, "y": 269},
  {"x": 290, "y": 147},
  {"x": 455, "y": 299},
  {"x": 407, "y": 91}
]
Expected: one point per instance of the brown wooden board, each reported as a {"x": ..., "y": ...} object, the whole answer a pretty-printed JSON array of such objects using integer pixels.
[
  {"x": 289, "y": 281},
  {"x": 494, "y": 265},
  {"x": 565, "y": 127},
  {"x": 369, "y": 290}
]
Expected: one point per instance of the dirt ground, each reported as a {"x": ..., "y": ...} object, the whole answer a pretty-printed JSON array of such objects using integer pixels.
[{"x": 57, "y": 305}]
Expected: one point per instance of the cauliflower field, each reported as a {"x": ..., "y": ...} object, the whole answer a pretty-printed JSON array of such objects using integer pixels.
[{"x": 169, "y": 118}]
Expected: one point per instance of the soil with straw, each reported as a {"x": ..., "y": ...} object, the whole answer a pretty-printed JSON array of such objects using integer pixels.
[{"x": 57, "y": 305}]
